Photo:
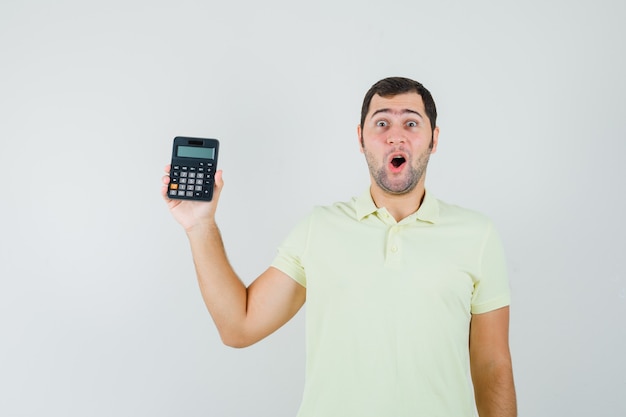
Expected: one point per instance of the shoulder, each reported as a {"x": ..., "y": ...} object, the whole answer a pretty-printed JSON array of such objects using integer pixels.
[
  {"x": 341, "y": 209},
  {"x": 461, "y": 221},
  {"x": 455, "y": 214},
  {"x": 324, "y": 219}
]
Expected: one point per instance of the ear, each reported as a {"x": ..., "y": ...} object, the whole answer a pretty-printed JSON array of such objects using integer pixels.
[
  {"x": 435, "y": 140},
  {"x": 359, "y": 134}
]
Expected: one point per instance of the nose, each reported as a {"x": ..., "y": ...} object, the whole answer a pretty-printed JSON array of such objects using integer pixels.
[{"x": 395, "y": 135}]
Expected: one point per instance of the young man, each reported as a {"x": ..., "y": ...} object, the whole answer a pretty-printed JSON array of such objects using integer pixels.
[{"x": 407, "y": 296}]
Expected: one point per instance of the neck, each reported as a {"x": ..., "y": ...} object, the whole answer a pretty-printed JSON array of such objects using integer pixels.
[{"x": 399, "y": 205}]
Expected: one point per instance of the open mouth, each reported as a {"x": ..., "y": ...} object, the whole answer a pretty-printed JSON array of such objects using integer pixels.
[{"x": 397, "y": 161}]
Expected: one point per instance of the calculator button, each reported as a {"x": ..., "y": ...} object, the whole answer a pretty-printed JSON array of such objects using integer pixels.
[{"x": 192, "y": 179}]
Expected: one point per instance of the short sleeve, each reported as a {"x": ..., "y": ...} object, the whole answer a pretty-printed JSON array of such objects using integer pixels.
[
  {"x": 491, "y": 286},
  {"x": 289, "y": 258}
]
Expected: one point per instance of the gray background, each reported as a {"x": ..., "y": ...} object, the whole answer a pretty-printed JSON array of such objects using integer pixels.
[{"x": 100, "y": 314}]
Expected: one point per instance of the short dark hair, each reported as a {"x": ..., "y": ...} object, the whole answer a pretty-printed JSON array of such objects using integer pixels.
[{"x": 393, "y": 86}]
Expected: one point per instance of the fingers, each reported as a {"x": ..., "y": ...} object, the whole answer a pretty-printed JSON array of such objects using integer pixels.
[
  {"x": 164, "y": 189},
  {"x": 219, "y": 181},
  {"x": 165, "y": 180},
  {"x": 219, "y": 184}
]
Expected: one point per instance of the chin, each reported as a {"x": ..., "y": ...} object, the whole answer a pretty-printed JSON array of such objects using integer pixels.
[{"x": 398, "y": 190}]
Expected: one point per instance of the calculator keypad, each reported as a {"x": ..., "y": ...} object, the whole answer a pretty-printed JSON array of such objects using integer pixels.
[{"x": 191, "y": 180}]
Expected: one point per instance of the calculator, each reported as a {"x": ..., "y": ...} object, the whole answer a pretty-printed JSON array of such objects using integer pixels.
[{"x": 192, "y": 174}]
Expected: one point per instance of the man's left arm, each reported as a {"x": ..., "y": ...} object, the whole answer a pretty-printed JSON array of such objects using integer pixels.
[{"x": 490, "y": 361}]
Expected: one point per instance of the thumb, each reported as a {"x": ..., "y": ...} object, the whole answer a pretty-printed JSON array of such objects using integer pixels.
[{"x": 219, "y": 184}]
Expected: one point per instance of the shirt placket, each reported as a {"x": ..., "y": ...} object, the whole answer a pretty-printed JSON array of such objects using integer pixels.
[{"x": 393, "y": 243}]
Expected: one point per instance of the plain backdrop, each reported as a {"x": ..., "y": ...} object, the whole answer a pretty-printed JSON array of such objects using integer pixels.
[{"x": 100, "y": 314}]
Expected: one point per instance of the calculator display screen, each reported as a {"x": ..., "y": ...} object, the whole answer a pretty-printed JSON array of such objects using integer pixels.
[{"x": 195, "y": 152}]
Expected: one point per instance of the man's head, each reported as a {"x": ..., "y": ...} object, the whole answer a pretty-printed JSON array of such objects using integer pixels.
[
  {"x": 397, "y": 134},
  {"x": 398, "y": 85}
]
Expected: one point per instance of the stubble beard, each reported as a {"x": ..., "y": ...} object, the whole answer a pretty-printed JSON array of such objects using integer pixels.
[{"x": 410, "y": 178}]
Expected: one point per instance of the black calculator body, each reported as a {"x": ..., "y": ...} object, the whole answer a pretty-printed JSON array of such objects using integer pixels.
[{"x": 192, "y": 175}]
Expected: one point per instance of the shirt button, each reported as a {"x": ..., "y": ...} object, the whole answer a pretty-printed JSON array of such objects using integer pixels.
[{"x": 394, "y": 249}]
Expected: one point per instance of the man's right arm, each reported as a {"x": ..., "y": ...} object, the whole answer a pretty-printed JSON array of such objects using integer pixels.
[{"x": 243, "y": 315}]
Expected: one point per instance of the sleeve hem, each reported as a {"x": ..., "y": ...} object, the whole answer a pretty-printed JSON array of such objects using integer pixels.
[
  {"x": 291, "y": 272},
  {"x": 491, "y": 305}
]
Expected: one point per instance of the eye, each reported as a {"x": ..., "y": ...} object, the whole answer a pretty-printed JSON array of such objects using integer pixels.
[
  {"x": 411, "y": 124},
  {"x": 381, "y": 123}
]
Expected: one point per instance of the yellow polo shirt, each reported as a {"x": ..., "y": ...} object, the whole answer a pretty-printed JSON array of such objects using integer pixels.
[{"x": 389, "y": 305}]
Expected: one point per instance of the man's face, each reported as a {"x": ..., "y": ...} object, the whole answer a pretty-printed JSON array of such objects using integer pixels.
[{"x": 397, "y": 140}]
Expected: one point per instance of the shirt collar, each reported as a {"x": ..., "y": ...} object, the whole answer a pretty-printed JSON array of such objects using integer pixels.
[
  {"x": 429, "y": 209},
  {"x": 427, "y": 212}
]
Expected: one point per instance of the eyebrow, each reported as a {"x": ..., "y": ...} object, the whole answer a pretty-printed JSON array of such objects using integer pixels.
[{"x": 403, "y": 111}]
